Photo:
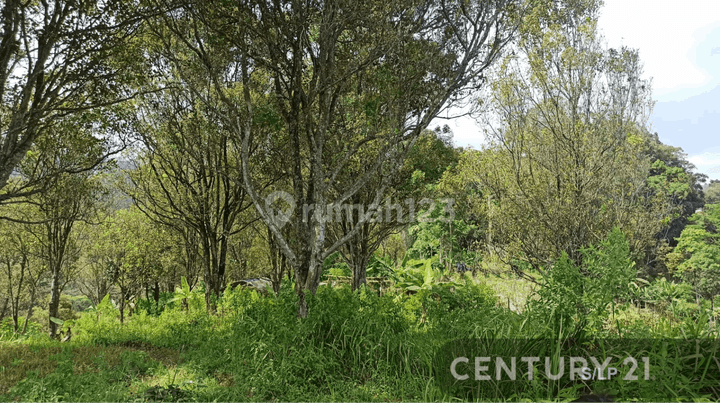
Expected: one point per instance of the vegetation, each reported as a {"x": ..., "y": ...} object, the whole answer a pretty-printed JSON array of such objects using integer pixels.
[{"x": 197, "y": 210}]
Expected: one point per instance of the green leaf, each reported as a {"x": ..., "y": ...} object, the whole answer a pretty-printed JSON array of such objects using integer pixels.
[{"x": 185, "y": 286}]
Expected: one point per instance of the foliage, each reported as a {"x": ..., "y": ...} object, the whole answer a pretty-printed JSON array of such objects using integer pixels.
[
  {"x": 129, "y": 261},
  {"x": 40, "y": 315},
  {"x": 62, "y": 63},
  {"x": 427, "y": 160},
  {"x": 188, "y": 186},
  {"x": 565, "y": 162},
  {"x": 664, "y": 292},
  {"x": 573, "y": 299},
  {"x": 420, "y": 274},
  {"x": 696, "y": 259},
  {"x": 351, "y": 347},
  {"x": 671, "y": 176},
  {"x": 349, "y": 98},
  {"x": 712, "y": 192}
]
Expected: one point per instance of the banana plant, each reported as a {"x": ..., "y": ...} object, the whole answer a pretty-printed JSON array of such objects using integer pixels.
[
  {"x": 182, "y": 293},
  {"x": 420, "y": 275}
]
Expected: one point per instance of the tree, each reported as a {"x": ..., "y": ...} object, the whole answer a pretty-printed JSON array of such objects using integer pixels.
[
  {"x": 185, "y": 178},
  {"x": 565, "y": 162},
  {"x": 712, "y": 193},
  {"x": 673, "y": 179},
  {"x": 671, "y": 174},
  {"x": 21, "y": 265},
  {"x": 580, "y": 295},
  {"x": 460, "y": 183},
  {"x": 58, "y": 59},
  {"x": 67, "y": 198},
  {"x": 431, "y": 155},
  {"x": 696, "y": 258},
  {"x": 346, "y": 79},
  {"x": 131, "y": 250}
]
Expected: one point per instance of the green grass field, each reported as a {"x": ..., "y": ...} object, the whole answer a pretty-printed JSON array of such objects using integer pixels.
[{"x": 354, "y": 347}]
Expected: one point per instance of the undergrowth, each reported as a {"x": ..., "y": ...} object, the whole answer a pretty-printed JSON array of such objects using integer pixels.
[{"x": 354, "y": 346}]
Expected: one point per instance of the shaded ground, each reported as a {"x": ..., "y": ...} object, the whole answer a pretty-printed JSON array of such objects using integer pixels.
[{"x": 19, "y": 361}]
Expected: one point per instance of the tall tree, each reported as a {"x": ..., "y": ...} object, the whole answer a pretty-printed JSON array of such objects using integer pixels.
[
  {"x": 346, "y": 79},
  {"x": 566, "y": 163},
  {"x": 696, "y": 259},
  {"x": 673, "y": 175},
  {"x": 712, "y": 193},
  {"x": 59, "y": 58},
  {"x": 186, "y": 178},
  {"x": 68, "y": 198},
  {"x": 430, "y": 157}
]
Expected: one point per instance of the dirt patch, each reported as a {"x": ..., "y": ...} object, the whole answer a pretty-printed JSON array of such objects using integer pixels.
[
  {"x": 513, "y": 293},
  {"x": 17, "y": 359},
  {"x": 225, "y": 380},
  {"x": 167, "y": 356}
]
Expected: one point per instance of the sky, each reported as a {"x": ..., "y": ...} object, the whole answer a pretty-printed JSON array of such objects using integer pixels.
[{"x": 679, "y": 44}]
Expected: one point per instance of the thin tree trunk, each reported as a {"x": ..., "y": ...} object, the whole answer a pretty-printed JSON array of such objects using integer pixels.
[
  {"x": 122, "y": 306},
  {"x": 278, "y": 261},
  {"x": 29, "y": 311},
  {"x": 13, "y": 299},
  {"x": 490, "y": 226},
  {"x": 156, "y": 296},
  {"x": 359, "y": 273},
  {"x": 213, "y": 276},
  {"x": 4, "y": 308},
  {"x": 11, "y": 296},
  {"x": 54, "y": 307}
]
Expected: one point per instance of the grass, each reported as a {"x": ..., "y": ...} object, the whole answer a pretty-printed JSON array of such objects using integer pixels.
[{"x": 356, "y": 347}]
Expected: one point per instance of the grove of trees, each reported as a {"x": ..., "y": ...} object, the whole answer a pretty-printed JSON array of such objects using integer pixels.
[{"x": 142, "y": 143}]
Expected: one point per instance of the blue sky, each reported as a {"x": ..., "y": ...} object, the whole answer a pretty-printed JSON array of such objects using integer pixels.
[{"x": 679, "y": 44}]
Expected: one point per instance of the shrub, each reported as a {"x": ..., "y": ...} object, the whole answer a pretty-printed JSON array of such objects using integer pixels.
[{"x": 577, "y": 299}]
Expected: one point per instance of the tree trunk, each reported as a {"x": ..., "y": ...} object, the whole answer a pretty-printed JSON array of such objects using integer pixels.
[
  {"x": 307, "y": 280},
  {"x": 156, "y": 296},
  {"x": 302, "y": 306},
  {"x": 29, "y": 311},
  {"x": 214, "y": 257},
  {"x": 490, "y": 226},
  {"x": 15, "y": 297},
  {"x": 359, "y": 268},
  {"x": 54, "y": 307},
  {"x": 4, "y": 308},
  {"x": 122, "y": 306},
  {"x": 278, "y": 261}
]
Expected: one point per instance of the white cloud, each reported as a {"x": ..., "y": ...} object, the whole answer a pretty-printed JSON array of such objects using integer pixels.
[
  {"x": 707, "y": 163},
  {"x": 676, "y": 42},
  {"x": 667, "y": 33}
]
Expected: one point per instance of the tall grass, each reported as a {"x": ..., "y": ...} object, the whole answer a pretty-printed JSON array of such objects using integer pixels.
[{"x": 354, "y": 346}]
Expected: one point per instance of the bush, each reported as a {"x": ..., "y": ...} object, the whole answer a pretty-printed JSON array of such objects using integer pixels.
[
  {"x": 151, "y": 307},
  {"x": 576, "y": 299},
  {"x": 40, "y": 313}
]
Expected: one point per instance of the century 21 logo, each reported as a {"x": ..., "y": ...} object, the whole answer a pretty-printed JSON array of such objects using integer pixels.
[{"x": 578, "y": 367}]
